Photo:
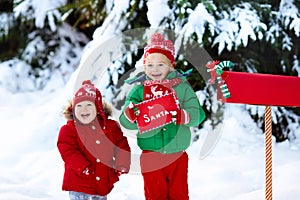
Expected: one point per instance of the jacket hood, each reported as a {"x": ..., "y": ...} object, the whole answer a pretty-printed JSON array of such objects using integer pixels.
[{"x": 68, "y": 112}]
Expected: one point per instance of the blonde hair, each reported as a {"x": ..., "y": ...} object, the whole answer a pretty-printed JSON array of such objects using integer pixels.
[{"x": 163, "y": 57}]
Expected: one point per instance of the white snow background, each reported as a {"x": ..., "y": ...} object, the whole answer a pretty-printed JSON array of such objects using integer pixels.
[{"x": 31, "y": 167}]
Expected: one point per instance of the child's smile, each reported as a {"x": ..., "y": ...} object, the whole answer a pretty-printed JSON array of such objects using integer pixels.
[
  {"x": 156, "y": 76},
  {"x": 85, "y": 111},
  {"x": 157, "y": 66},
  {"x": 84, "y": 116}
]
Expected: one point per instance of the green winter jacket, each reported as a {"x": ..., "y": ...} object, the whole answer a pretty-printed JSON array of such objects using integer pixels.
[{"x": 170, "y": 138}]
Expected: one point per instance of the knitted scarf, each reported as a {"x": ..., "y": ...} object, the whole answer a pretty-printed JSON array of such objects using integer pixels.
[{"x": 157, "y": 88}]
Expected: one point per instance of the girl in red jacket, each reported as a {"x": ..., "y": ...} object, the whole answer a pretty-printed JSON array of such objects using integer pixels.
[{"x": 92, "y": 146}]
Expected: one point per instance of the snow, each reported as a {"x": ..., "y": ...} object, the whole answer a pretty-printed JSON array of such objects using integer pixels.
[
  {"x": 290, "y": 15},
  {"x": 31, "y": 167},
  {"x": 42, "y": 10},
  {"x": 30, "y": 164},
  {"x": 5, "y": 20},
  {"x": 231, "y": 33},
  {"x": 19, "y": 74},
  {"x": 197, "y": 21},
  {"x": 114, "y": 21},
  {"x": 155, "y": 16}
]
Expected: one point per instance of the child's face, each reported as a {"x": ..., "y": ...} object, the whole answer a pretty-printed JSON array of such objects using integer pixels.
[
  {"x": 157, "y": 66},
  {"x": 85, "y": 111}
]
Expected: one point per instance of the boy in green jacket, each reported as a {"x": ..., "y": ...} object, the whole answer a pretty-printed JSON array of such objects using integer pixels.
[{"x": 164, "y": 162}]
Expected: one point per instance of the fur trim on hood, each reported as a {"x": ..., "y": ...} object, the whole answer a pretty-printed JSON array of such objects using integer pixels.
[{"x": 68, "y": 112}]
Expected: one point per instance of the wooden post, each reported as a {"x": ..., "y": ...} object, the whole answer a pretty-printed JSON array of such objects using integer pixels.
[
  {"x": 261, "y": 89},
  {"x": 268, "y": 153}
]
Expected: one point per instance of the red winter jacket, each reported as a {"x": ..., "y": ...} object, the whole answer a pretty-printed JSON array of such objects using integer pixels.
[{"x": 103, "y": 151}]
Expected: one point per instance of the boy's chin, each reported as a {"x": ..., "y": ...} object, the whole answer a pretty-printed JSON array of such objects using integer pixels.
[{"x": 157, "y": 78}]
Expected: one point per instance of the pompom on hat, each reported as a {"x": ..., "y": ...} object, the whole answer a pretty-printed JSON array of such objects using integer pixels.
[
  {"x": 88, "y": 92},
  {"x": 158, "y": 44}
]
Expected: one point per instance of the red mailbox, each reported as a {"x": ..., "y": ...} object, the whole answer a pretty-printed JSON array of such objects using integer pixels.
[{"x": 261, "y": 89}]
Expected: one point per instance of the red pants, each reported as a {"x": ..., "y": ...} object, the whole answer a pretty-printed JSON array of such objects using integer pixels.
[{"x": 165, "y": 175}]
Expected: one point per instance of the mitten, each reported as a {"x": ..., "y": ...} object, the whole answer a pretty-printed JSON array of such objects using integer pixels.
[
  {"x": 131, "y": 112},
  {"x": 180, "y": 116}
]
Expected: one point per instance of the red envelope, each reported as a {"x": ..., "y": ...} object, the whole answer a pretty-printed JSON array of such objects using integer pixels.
[{"x": 156, "y": 112}]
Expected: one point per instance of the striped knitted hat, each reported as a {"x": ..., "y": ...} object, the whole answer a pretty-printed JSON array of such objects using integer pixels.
[{"x": 88, "y": 92}]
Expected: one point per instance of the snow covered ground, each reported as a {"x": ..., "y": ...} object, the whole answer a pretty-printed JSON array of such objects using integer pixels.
[{"x": 31, "y": 167}]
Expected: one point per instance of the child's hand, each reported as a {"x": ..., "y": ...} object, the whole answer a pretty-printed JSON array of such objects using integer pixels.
[
  {"x": 180, "y": 116},
  {"x": 131, "y": 112}
]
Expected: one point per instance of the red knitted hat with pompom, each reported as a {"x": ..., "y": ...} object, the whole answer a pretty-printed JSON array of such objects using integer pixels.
[
  {"x": 158, "y": 44},
  {"x": 88, "y": 92}
]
